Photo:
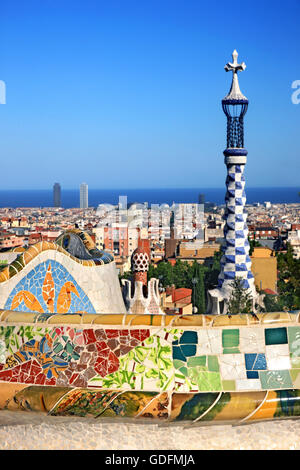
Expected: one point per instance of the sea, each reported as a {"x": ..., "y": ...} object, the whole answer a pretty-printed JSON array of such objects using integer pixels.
[{"x": 70, "y": 197}]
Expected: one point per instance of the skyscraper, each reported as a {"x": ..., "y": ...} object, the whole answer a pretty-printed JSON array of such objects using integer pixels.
[
  {"x": 235, "y": 262},
  {"x": 84, "y": 198},
  {"x": 56, "y": 195},
  {"x": 201, "y": 198}
]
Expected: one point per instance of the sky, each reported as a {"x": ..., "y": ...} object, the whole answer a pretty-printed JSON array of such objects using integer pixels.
[{"x": 127, "y": 94}]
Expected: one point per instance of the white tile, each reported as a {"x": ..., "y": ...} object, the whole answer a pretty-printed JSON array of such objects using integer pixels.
[
  {"x": 232, "y": 366},
  {"x": 278, "y": 357},
  {"x": 252, "y": 340},
  {"x": 209, "y": 341},
  {"x": 248, "y": 384}
]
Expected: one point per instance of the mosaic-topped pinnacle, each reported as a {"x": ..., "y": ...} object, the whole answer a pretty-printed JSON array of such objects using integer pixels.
[{"x": 235, "y": 93}]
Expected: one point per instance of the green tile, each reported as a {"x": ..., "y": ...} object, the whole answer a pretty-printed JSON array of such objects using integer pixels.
[
  {"x": 209, "y": 381},
  {"x": 184, "y": 371},
  {"x": 230, "y": 338},
  {"x": 177, "y": 364},
  {"x": 196, "y": 361},
  {"x": 295, "y": 361},
  {"x": 294, "y": 339},
  {"x": 228, "y": 385},
  {"x": 213, "y": 363},
  {"x": 294, "y": 374},
  {"x": 231, "y": 351},
  {"x": 275, "y": 336},
  {"x": 275, "y": 379}
]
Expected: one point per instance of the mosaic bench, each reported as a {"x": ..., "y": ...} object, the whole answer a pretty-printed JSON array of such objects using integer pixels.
[{"x": 194, "y": 368}]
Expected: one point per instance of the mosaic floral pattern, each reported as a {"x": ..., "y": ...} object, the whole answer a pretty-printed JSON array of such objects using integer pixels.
[
  {"x": 63, "y": 356},
  {"x": 49, "y": 288},
  {"x": 157, "y": 359}
]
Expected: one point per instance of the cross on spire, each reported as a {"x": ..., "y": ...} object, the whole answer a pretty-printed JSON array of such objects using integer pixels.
[{"x": 234, "y": 67}]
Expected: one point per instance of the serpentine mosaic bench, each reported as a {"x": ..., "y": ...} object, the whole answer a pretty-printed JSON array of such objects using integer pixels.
[{"x": 194, "y": 368}]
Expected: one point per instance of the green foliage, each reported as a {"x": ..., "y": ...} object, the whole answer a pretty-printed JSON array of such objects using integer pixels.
[
  {"x": 240, "y": 300},
  {"x": 199, "y": 294},
  {"x": 126, "y": 275},
  {"x": 253, "y": 244},
  {"x": 288, "y": 284}
]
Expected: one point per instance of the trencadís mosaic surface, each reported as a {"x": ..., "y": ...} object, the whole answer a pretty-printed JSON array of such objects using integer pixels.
[
  {"x": 245, "y": 369},
  {"x": 49, "y": 288},
  {"x": 68, "y": 276}
]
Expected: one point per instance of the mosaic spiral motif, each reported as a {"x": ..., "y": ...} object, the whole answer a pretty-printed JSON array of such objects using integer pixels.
[{"x": 49, "y": 288}]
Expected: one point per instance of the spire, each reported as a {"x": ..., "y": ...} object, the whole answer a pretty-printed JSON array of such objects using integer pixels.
[{"x": 235, "y": 93}]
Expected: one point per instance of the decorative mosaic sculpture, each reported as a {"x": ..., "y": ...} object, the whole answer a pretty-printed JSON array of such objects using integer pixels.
[
  {"x": 68, "y": 276},
  {"x": 140, "y": 295}
]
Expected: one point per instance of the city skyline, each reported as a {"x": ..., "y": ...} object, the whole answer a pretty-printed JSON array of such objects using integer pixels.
[{"x": 134, "y": 91}]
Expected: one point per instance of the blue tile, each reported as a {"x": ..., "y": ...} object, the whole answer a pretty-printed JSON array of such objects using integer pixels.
[
  {"x": 188, "y": 350},
  {"x": 252, "y": 374},
  {"x": 189, "y": 337},
  {"x": 255, "y": 361},
  {"x": 177, "y": 353}
]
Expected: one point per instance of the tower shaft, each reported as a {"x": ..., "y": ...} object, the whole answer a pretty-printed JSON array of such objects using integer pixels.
[{"x": 235, "y": 261}]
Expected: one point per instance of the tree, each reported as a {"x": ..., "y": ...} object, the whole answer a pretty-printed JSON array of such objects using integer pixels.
[
  {"x": 212, "y": 272},
  {"x": 288, "y": 284},
  {"x": 199, "y": 288},
  {"x": 240, "y": 300},
  {"x": 253, "y": 244}
]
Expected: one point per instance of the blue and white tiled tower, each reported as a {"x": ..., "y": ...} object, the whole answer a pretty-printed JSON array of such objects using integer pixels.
[{"x": 235, "y": 262}]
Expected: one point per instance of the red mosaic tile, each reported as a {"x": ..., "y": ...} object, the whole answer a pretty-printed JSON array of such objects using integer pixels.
[
  {"x": 101, "y": 346},
  {"x": 40, "y": 379},
  {"x": 100, "y": 335},
  {"x": 73, "y": 378},
  {"x": 140, "y": 335},
  {"x": 6, "y": 375},
  {"x": 89, "y": 336},
  {"x": 112, "y": 333},
  {"x": 106, "y": 364},
  {"x": 124, "y": 333}
]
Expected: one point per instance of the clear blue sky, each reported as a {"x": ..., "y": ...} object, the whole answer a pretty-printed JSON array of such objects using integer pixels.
[{"x": 128, "y": 93}]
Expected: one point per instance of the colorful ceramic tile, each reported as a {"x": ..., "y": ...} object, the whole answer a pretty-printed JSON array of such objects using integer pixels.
[
  {"x": 209, "y": 341},
  {"x": 278, "y": 357},
  {"x": 252, "y": 339},
  {"x": 275, "y": 379},
  {"x": 276, "y": 336},
  {"x": 230, "y": 341},
  {"x": 232, "y": 366},
  {"x": 49, "y": 288}
]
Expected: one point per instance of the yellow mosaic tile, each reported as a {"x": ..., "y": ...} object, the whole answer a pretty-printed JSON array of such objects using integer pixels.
[{"x": 57, "y": 319}]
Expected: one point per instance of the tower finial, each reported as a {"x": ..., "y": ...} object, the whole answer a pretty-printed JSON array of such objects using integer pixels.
[{"x": 234, "y": 67}]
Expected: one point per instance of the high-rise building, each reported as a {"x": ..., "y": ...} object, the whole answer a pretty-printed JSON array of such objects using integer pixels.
[
  {"x": 201, "y": 198},
  {"x": 84, "y": 197},
  {"x": 56, "y": 195},
  {"x": 235, "y": 262}
]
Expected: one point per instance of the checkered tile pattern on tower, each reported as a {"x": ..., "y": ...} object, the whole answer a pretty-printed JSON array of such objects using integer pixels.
[{"x": 235, "y": 262}]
